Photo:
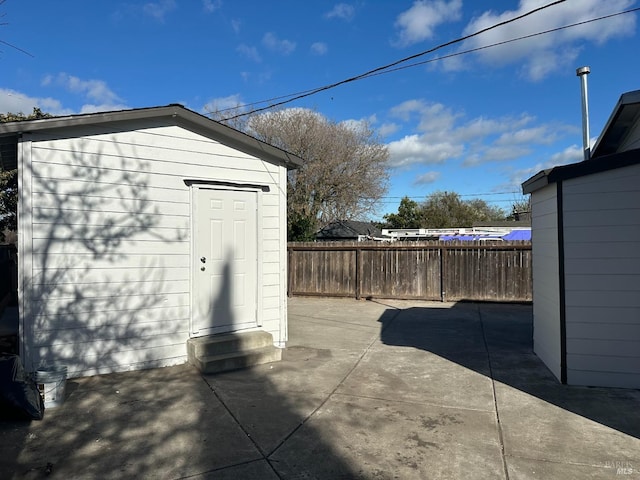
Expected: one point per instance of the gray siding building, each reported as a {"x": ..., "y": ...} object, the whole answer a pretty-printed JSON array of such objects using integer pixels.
[{"x": 586, "y": 258}]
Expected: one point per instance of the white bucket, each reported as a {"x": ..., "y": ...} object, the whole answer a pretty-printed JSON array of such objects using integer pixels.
[{"x": 51, "y": 384}]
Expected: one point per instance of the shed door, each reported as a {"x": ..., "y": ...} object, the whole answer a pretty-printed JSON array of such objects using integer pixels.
[{"x": 226, "y": 256}]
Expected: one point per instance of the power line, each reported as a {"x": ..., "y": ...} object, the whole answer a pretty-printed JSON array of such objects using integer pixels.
[
  {"x": 460, "y": 194},
  {"x": 387, "y": 69},
  {"x": 491, "y": 45},
  {"x": 17, "y": 48},
  {"x": 393, "y": 64},
  {"x": 505, "y": 201}
]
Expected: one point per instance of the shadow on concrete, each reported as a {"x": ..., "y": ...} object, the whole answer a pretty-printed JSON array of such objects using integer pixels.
[
  {"x": 174, "y": 423},
  {"x": 92, "y": 302},
  {"x": 97, "y": 304},
  {"x": 276, "y": 412},
  {"x": 496, "y": 340}
]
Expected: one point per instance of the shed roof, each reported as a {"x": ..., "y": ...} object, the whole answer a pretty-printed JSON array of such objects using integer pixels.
[
  {"x": 619, "y": 127},
  {"x": 616, "y": 147},
  {"x": 173, "y": 114},
  {"x": 574, "y": 170}
]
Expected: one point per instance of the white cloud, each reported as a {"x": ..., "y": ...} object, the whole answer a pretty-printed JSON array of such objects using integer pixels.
[
  {"x": 343, "y": 11},
  {"x": 104, "y": 107},
  {"x": 413, "y": 149},
  {"x": 260, "y": 78},
  {"x": 250, "y": 52},
  {"x": 211, "y": 6},
  {"x": 17, "y": 102},
  {"x": 236, "y": 25},
  {"x": 426, "y": 178},
  {"x": 495, "y": 153},
  {"x": 319, "y": 48},
  {"x": 223, "y": 103},
  {"x": 92, "y": 90},
  {"x": 541, "y": 134},
  {"x": 541, "y": 55},
  {"x": 158, "y": 10},
  {"x": 571, "y": 154},
  {"x": 419, "y": 22},
  {"x": 273, "y": 43},
  {"x": 444, "y": 135},
  {"x": 387, "y": 129}
]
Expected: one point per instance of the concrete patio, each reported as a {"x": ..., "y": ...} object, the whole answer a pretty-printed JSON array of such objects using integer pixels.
[{"x": 366, "y": 389}]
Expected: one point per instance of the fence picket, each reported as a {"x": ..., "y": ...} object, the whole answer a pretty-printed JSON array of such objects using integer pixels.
[{"x": 412, "y": 270}]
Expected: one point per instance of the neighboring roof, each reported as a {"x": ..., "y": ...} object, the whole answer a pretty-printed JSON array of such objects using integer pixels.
[
  {"x": 618, "y": 146},
  {"x": 348, "y": 229},
  {"x": 171, "y": 115}
]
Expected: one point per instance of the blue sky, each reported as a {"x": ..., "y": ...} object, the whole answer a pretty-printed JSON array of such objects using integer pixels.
[{"x": 477, "y": 123}]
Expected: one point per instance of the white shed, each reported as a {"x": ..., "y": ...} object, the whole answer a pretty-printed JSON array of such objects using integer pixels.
[
  {"x": 586, "y": 259},
  {"x": 141, "y": 229}
]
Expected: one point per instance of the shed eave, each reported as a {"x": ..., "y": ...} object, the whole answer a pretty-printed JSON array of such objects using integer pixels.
[
  {"x": 538, "y": 181},
  {"x": 580, "y": 169},
  {"x": 624, "y": 115},
  {"x": 174, "y": 115}
]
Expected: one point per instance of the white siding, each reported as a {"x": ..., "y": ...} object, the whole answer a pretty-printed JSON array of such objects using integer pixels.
[
  {"x": 106, "y": 244},
  {"x": 602, "y": 266},
  {"x": 546, "y": 285}
]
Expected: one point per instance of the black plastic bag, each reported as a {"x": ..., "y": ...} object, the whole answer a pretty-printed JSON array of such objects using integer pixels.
[{"x": 19, "y": 395}]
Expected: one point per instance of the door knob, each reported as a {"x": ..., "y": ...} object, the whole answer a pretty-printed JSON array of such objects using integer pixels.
[
  {"x": 202, "y": 268},
  {"x": 203, "y": 259}
]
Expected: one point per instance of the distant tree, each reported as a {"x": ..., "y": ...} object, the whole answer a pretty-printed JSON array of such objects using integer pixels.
[
  {"x": 447, "y": 210},
  {"x": 9, "y": 179},
  {"x": 344, "y": 173},
  {"x": 37, "y": 114},
  {"x": 409, "y": 215},
  {"x": 8, "y": 202}
]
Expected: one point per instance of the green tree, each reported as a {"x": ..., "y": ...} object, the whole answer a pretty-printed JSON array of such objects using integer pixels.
[
  {"x": 37, "y": 114},
  {"x": 9, "y": 179},
  {"x": 8, "y": 202},
  {"x": 344, "y": 173},
  {"x": 409, "y": 215},
  {"x": 449, "y": 210}
]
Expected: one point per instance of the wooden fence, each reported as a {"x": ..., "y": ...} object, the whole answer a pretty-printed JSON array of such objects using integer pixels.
[{"x": 442, "y": 271}]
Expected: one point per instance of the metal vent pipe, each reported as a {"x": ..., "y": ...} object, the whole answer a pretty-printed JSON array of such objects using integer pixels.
[{"x": 582, "y": 72}]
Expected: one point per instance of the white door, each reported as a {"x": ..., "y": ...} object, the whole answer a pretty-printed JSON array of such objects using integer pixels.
[{"x": 226, "y": 261}]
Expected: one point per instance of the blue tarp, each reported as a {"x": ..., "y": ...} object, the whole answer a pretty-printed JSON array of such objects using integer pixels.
[
  {"x": 468, "y": 238},
  {"x": 515, "y": 235},
  {"x": 520, "y": 235}
]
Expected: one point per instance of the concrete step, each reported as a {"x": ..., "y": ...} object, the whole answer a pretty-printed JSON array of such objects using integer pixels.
[
  {"x": 239, "y": 360},
  {"x": 221, "y": 353}
]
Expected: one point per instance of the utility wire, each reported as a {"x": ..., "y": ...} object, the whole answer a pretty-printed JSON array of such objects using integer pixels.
[
  {"x": 393, "y": 64},
  {"x": 464, "y": 194},
  {"x": 17, "y": 48},
  {"x": 484, "y": 47},
  {"x": 375, "y": 72}
]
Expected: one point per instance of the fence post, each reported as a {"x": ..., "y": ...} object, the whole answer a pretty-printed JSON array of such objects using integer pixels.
[
  {"x": 358, "y": 273},
  {"x": 443, "y": 269},
  {"x": 289, "y": 271}
]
